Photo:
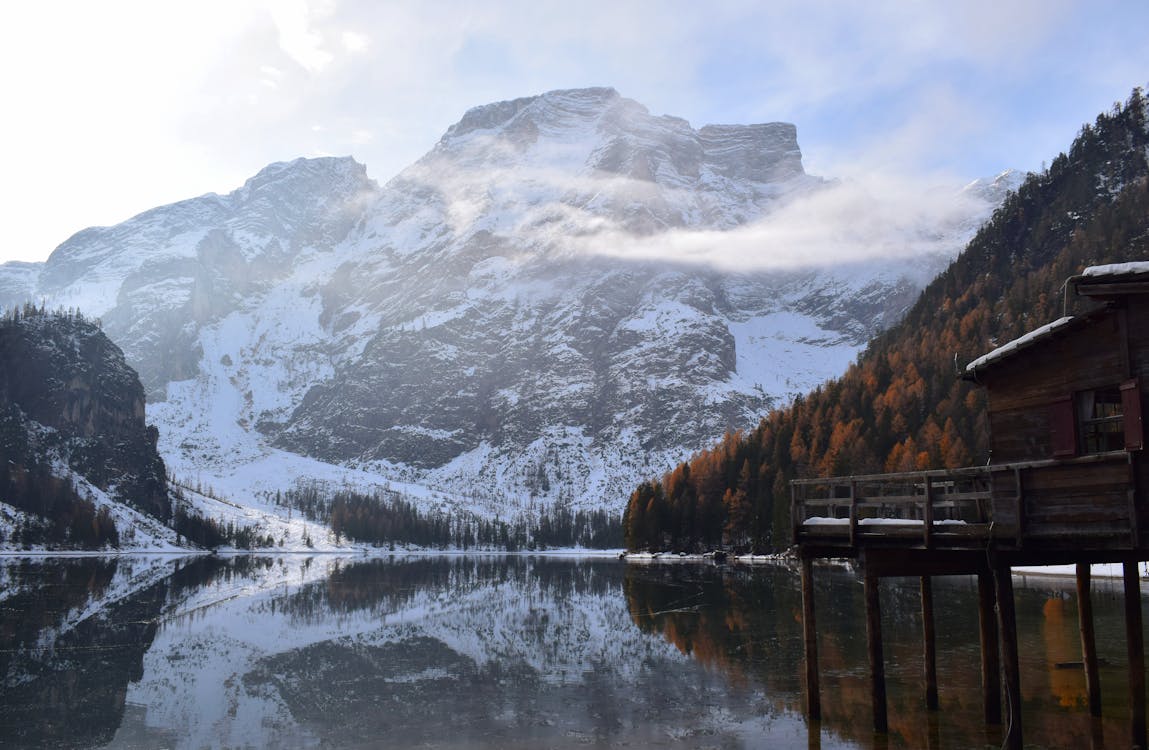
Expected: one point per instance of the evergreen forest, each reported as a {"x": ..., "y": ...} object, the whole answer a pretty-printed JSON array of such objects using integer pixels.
[{"x": 388, "y": 518}]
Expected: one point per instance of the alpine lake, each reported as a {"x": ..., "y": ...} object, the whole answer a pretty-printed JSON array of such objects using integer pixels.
[{"x": 492, "y": 651}]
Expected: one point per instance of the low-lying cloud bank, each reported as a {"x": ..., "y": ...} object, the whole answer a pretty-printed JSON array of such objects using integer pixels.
[{"x": 842, "y": 223}]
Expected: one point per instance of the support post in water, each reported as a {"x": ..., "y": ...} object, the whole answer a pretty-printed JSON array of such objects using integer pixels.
[
  {"x": 929, "y": 654},
  {"x": 1007, "y": 628},
  {"x": 990, "y": 662},
  {"x": 1135, "y": 644},
  {"x": 1088, "y": 639},
  {"x": 874, "y": 646},
  {"x": 810, "y": 642}
]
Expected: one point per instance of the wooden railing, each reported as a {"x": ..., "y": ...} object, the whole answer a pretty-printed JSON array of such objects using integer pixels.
[{"x": 1090, "y": 496}]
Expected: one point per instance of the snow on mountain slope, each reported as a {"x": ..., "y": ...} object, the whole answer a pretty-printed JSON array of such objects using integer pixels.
[
  {"x": 156, "y": 279},
  {"x": 508, "y": 323}
]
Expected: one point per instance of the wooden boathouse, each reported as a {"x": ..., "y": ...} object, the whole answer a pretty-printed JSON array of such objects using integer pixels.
[{"x": 1066, "y": 484}]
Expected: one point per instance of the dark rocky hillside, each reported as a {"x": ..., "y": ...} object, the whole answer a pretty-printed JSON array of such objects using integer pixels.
[{"x": 72, "y": 412}]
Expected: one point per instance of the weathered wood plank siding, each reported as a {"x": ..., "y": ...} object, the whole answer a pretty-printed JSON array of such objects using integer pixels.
[
  {"x": 1137, "y": 311},
  {"x": 1022, "y": 389},
  {"x": 1078, "y": 500}
]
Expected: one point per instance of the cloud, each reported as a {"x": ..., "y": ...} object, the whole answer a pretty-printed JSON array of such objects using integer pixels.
[
  {"x": 884, "y": 216},
  {"x": 849, "y": 222},
  {"x": 112, "y": 108}
]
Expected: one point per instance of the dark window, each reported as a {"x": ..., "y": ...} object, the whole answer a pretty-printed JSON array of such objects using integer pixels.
[{"x": 1101, "y": 427}]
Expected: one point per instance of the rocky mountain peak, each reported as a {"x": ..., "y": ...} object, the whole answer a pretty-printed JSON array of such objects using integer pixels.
[
  {"x": 995, "y": 188},
  {"x": 306, "y": 174},
  {"x": 766, "y": 152},
  {"x": 560, "y": 103},
  {"x": 600, "y": 131},
  {"x": 530, "y": 161}
]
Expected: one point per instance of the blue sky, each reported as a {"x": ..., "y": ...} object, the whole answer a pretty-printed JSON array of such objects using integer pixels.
[{"x": 115, "y": 107}]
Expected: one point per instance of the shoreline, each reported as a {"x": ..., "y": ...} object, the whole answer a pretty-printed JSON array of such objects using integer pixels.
[{"x": 1098, "y": 570}]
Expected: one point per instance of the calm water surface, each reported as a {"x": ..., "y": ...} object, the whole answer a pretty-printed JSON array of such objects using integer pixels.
[{"x": 493, "y": 652}]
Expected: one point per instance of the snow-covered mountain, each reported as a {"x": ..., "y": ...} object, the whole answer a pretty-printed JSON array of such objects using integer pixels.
[{"x": 498, "y": 322}]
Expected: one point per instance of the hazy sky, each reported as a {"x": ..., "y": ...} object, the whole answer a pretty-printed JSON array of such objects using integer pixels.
[{"x": 113, "y": 107}]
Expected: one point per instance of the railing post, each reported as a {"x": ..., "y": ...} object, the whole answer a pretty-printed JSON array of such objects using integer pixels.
[
  {"x": 983, "y": 514},
  {"x": 928, "y": 514},
  {"x": 853, "y": 513},
  {"x": 795, "y": 522}
]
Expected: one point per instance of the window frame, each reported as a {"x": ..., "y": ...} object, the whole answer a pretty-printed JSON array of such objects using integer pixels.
[{"x": 1074, "y": 434}]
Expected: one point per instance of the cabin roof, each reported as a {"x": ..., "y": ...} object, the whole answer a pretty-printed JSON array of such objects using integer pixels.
[
  {"x": 1113, "y": 280},
  {"x": 1116, "y": 269},
  {"x": 1108, "y": 281},
  {"x": 1024, "y": 342}
]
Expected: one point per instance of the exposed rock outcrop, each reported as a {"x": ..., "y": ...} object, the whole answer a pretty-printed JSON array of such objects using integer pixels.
[{"x": 71, "y": 409}]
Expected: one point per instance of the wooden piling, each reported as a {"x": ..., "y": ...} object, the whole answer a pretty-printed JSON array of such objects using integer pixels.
[
  {"x": 929, "y": 654},
  {"x": 1088, "y": 639},
  {"x": 810, "y": 642},
  {"x": 1007, "y": 629},
  {"x": 1135, "y": 648},
  {"x": 990, "y": 662},
  {"x": 874, "y": 647}
]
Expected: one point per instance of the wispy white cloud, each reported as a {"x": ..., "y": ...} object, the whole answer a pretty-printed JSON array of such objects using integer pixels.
[
  {"x": 296, "y": 22},
  {"x": 136, "y": 103},
  {"x": 884, "y": 216},
  {"x": 841, "y": 224}
]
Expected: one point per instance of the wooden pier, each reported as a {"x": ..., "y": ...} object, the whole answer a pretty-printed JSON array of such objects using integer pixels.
[{"x": 1065, "y": 487}]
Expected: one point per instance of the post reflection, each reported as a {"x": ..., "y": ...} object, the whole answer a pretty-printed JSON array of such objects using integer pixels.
[{"x": 747, "y": 625}]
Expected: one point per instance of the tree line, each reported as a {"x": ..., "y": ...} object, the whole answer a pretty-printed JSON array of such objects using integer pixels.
[{"x": 386, "y": 517}]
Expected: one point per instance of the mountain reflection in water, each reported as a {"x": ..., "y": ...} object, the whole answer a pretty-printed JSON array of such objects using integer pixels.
[{"x": 473, "y": 651}]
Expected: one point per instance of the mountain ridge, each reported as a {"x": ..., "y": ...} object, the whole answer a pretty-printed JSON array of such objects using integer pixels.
[{"x": 476, "y": 325}]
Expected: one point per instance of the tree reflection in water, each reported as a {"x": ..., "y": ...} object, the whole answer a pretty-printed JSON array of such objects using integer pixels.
[
  {"x": 73, "y": 636},
  {"x": 747, "y": 624},
  {"x": 490, "y": 651}
]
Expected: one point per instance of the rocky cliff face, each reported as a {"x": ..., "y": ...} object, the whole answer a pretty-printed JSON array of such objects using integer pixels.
[
  {"x": 494, "y": 322},
  {"x": 73, "y": 410}
]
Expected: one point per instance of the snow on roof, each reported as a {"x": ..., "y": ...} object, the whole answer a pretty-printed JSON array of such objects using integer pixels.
[
  {"x": 1117, "y": 269},
  {"x": 1029, "y": 338},
  {"x": 1093, "y": 272}
]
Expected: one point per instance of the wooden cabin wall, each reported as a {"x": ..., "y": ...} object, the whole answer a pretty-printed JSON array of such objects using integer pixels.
[
  {"x": 1087, "y": 501},
  {"x": 1137, "y": 324},
  {"x": 1022, "y": 388},
  {"x": 1083, "y": 501}
]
